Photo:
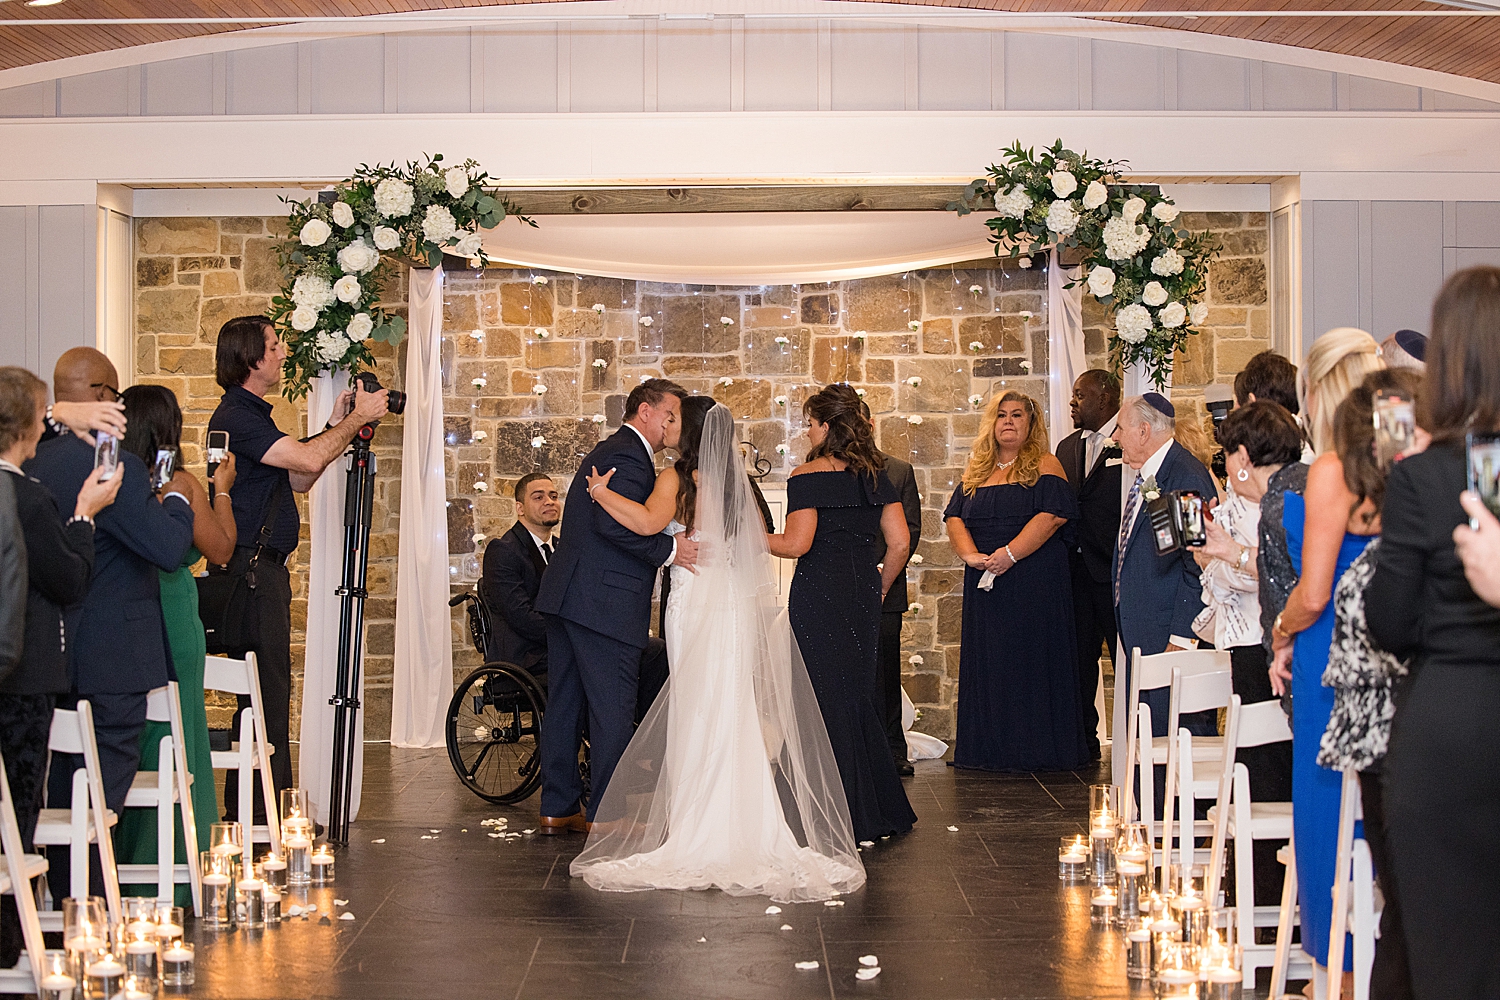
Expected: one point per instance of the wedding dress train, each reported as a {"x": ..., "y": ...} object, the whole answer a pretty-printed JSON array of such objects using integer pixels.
[{"x": 730, "y": 780}]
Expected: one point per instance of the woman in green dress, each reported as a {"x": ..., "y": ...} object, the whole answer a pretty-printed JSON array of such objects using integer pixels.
[{"x": 154, "y": 425}]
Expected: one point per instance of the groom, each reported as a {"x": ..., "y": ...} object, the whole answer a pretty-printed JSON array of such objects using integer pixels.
[{"x": 596, "y": 595}]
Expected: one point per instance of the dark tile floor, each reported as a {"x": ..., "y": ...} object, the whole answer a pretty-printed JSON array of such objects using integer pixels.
[{"x": 966, "y": 913}]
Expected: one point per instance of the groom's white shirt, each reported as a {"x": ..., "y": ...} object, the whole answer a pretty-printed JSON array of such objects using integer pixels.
[{"x": 651, "y": 457}]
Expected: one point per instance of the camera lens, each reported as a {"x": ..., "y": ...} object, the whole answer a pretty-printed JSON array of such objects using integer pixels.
[{"x": 395, "y": 399}]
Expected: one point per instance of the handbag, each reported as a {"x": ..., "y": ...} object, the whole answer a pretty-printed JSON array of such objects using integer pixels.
[{"x": 226, "y": 598}]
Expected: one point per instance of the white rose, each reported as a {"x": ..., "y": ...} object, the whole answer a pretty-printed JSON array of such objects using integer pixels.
[
  {"x": 468, "y": 245},
  {"x": 304, "y": 318},
  {"x": 438, "y": 224},
  {"x": 456, "y": 180},
  {"x": 1165, "y": 211},
  {"x": 359, "y": 327},
  {"x": 1013, "y": 203},
  {"x": 1198, "y": 313},
  {"x": 1062, "y": 218},
  {"x": 1101, "y": 281},
  {"x": 1168, "y": 262},
  {"x": 1133, "y": 209},
  {"x": 1063, "y": 183},
  {"x": 343, "y": 214},
  {"x": 1133, "y": 323},
  {"x": 1095, "y": 195},
  {"x": 394, "y": 198},
  {"x": 313, "y": 291},
  {"x": 315, "y": 233},
  {"x": 1153, "y": 294},
  {"x": 1172, "y": 316},
  {"x": 358, "y": 257},
  {"x": 386, "y": 238},
  {"x": 347, "y": 288}
]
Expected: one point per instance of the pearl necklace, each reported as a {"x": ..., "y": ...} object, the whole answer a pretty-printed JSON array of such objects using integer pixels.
[{"x": 1002, "y": 466}]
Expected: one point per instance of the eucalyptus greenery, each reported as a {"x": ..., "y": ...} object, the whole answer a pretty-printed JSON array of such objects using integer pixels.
[
  {"x": 1151, "y": 274},
  {"x": 335, "y": 264}
]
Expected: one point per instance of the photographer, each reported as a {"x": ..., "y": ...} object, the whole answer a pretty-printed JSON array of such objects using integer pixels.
[{"x": 272, "y": 464}]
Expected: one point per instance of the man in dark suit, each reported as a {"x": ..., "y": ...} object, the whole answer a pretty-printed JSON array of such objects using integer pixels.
[
  {"x": 1092, "y": 461},
  {"x": 893, "y": 610},
  {"x": 1156, "y": 597},
  {"x": 117, "y": 649},
  {"x": 596, "y": 595},
  {"x": 12, "y": 582},
  {"x": 513, "y": 568}
]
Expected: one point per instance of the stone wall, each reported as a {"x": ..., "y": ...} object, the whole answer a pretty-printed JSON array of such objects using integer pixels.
[{"x": 537, "y": 365}]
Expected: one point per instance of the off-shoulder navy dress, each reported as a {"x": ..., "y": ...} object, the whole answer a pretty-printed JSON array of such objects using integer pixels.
[
  {"x": 835, "y": 613},
  {"x": 1018, "y": 698}
]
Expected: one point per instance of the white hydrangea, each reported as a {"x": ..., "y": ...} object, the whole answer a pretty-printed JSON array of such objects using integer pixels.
[
  {"x": 332, "y": 346},
  {"x": 394, "y": 198},
  {"x": 438, "y": 224},
  {"x": 1133, "y": 323},
  {"x": 1168, "y": 262},
  {"x": 1062, "y": 218},
  {"x": 1124, "y": 239},
  {"x": 468, "y": 245},
  {"x": 1013, "y": 203},
  {"x": 1133, "y": 209},
  {"x": 1095, "y": 195},
  {"x": 1165, "y": 211},
  {"x": 313, "y": 291},
  {"x": 1153, "y": 294},
  {"x": 456, "y": 180},
  {"x": 1024, "y": 262},
  {"x": 315, "y": 233},
  {"x": 1063, "y": 183},
  {"x": 1198, "y": 313},
  {"x": 1101, "y": 281},
  {"x": 359, "y": 327},
  {"x": 304, "y": 318},
  {"x": 1172, "y": 315},
  {"x": 358, "y": 258},
  {"x": 386, "y": 238},
  {"x": 343, "y": 214},
  {"x": 347, "y": 288}
]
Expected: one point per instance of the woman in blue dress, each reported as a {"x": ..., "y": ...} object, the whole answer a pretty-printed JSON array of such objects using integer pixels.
[{"x": 1018, "y": 697}]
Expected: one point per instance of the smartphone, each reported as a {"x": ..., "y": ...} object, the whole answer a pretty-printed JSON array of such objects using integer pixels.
[
  {"x": 106, "y": 453},
  {"x": 161, "y": 471},
  {"x": 1482, "y": 458},
  {"x": 218, "y": 448},
  {"x": 1190, "y": 519},
  {"x": 1395, "y": 427}
]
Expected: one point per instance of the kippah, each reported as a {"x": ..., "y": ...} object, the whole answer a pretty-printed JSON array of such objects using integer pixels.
[
  {"x": 1161, "y": 404},
  {"x": 1412, "y": 343}
]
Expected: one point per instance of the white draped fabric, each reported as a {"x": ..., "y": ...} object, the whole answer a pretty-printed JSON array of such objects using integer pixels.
[
  {"x": 423, "y": 683},
  {"x": 326, "y": 514},
  {"x": 1065, "y": 344}
]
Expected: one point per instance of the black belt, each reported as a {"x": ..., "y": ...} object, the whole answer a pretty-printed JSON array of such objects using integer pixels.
[{"x": 266, "y": 552}]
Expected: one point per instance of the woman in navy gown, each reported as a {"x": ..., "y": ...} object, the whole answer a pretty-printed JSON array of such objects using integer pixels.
[
  {"x": 840, "y": 505},
  {"x": 1018, "y": 698}
]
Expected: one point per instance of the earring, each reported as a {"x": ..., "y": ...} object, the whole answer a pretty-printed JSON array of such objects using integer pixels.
[{"x": 1242, "y": 475}]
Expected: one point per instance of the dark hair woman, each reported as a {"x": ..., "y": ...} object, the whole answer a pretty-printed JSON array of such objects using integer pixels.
[
  {"x": 840, "y": 506},
  {"x": 154, "y": 425},
  {"x": 1442, "y": 768}
]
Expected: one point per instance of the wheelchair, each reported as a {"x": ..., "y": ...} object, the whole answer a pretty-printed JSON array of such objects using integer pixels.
[{"x": 495, "y": 721}]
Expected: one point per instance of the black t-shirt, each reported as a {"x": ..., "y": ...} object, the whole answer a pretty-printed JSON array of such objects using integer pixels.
[{"x": 247, "y": 419}]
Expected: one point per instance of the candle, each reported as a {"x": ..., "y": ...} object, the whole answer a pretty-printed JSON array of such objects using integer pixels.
[
  {"x": 273, "y": 870},
  {"x": 218, "y": 900},
  {"x": 1103, "y": 913},
  {"x": 1102, "y": 852},
  {"x": 1072, "y": 859},
  {"x": 1224, "y": 983},
  {"x": 1164, "y": 933},
  {"x": 271, "y": 900},
  {"x": 252, "y": 892},
  {"x": 177, "y": 965},
  {"x": 1138, "y": 953},
  {"x": 1192, "y": 913},
  {"x": 58, "y": 986},
  {"x": 105, "y": 977},
  {"x": 140, "y": 960},
  {"x": 1132, "y": 876},
  {"x": 168, "y": 931},
  {"x": 298, "y": 867},
  {"x": 322, "y": 867}
]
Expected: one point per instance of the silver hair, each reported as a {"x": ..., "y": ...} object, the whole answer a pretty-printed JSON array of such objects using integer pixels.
[{"x": 1144, "y": 413}]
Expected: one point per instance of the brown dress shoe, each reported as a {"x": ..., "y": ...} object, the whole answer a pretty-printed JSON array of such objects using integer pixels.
[{"x": 552, "y": 825}]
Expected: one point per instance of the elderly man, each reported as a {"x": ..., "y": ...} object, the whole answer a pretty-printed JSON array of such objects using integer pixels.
[{"x": 1156, "y": 597}]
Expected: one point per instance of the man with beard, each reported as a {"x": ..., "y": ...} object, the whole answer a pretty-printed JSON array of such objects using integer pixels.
[{"x": 513, "y": 568}]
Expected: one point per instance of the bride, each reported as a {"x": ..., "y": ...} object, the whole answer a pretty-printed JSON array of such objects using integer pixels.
[{"x": 730, "y": 780}]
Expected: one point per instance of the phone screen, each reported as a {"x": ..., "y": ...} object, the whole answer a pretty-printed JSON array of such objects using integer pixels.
[
  {"x": 106, "y": 453},
  {"x": 161, "y": 471},
  {"x": 1194, "y": 532},
  {"x": 1395, "y": 428},
  {"x": 1482, "y": 457},
  {"x": 218, "y": 447}
]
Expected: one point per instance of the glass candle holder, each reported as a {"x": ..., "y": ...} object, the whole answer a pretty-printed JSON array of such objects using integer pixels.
[
  {"x": 1138, "y": 949},
  {"x": 104, "y": 977},
  {"x": 1101, "y": 854},
  {"x": 85, "y": 933},
  {"x": 1177, "y": 979},
  {"x": 227, "y": 839},
  {"x": 1104, "y": 799},
  {"x": 294, "y": 804},
  {"x": 1133, "y": 883},
  {"x": 1102, "y": 912},
  {"x": 297, "y": 843},
  {"x": 1223, "y": 983},
  {"x": 218, "y": 910},
  {"x": 137, "y": 989},
  {"x": 271, "y": 904},
  {"x": 58, "y": 982},
  {"x": 272, "y": 871},
  {"x": 1165, "y": 933},
  {"x": 1191, "y": 911},
  {"x": 140, "y": 955},
  {"x": 168, "y": 923},
  {"x": 252, "y": 902},
  {"x": 177, "y": 964},
  {"x": 1073, "y": 858},
  {"x": 321, "y": 864}
]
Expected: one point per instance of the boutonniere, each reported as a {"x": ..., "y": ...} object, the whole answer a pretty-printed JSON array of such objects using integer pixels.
[
  {"x": 1149, "y": 489},
  {"x": 1111, "y": 449}
]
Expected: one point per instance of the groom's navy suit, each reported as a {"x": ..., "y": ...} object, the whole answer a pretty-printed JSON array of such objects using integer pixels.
[{"x": 597, "y": 596}]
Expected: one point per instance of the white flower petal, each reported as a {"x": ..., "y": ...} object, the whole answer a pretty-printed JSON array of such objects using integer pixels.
[
  {"x": 772, "y": 910},
  {"x": 867, "y": 973},
  {"x": 952, "y": 829},
  {"x": 786, "y": 927},
  {"x": 869, "y": 961},
  {"x": 806, "y": 966},
  {"x": 346, "y": 915}
]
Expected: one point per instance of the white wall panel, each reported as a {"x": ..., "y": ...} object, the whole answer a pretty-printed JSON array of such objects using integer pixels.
[
  {"x": 66, "y": 251},
  {"x": 1437, "y": 100},
  {"x": 347, "y": 75},
  {"x": 1126, "y": 77},
  {"x": 432, "y": 72},
  {"x": 178, "y": 86},
  {"x": 96, "y": 94},
  {"x": 781, "y": 66},
  {"x": 693, "y": 65},
  {"x": 1041, "y": 72},
  {"x": 35, "y": 100},
  {"x": 1207, "y": 82},
  {"x": 953, "y": 70},
  {"x": 1366, "y": 94},
  {"x": 1297, "y": 88},
  {"x": 262, "y": 81},
  {"x": 869, "y": 67},
  {"x": 608, "y": 66},
  {"x": 1477, "y": 224},
  {"x": 1470, "y": 257},
  {"x": 1406, "y": 264},
  {"x": 1330, "y": 267},
  {"x": 17, "y": 336},
  {"x": 520, "y": 69}
]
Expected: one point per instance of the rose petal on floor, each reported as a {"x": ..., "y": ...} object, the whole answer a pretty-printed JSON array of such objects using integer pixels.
[
  {"x": 378, "y": 841},
  {"x": 807, "y": 966},
  {"x": 952, "y": 829},
  {"x": 346, "y": 916},
  {"x": 772, "y": 910},
  {"x": 340, "y": 902},
  {"x": 867, "y": 843},
  {"x": 834, "y": 902},
  {"x": 869, "y": 960},
  {"x": 786, "y": 927},
  {"x": 867, "y": 972}
]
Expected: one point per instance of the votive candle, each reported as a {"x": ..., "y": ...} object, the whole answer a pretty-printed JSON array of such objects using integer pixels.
[{"x": 177, "y": 964}]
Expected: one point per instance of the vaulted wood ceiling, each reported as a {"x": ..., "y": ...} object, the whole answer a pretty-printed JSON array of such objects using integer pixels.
[{"x": 1454, "y": 43}]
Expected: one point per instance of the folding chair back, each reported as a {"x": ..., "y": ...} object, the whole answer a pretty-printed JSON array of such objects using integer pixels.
[
  {"x": 241, "y": 677},
  {"x": 20, "y": 868},
  {"x": 1153, "y": 673},
  {"x": 169, "y": 785},
  {"x": 73, "y": 733}
]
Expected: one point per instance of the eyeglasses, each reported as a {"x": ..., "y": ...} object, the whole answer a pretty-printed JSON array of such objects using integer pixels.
[{"x": 111, "y": 389}]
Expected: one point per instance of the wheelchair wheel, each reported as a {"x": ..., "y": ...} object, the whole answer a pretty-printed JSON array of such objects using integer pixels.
[{"x": 494, "y": 730}]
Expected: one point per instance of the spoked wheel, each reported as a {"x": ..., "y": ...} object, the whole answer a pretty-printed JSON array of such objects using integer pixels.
[{"x": 494, "y": 731}]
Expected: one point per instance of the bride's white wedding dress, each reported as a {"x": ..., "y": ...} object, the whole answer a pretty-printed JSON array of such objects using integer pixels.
[{"x": 730, "y": 780}]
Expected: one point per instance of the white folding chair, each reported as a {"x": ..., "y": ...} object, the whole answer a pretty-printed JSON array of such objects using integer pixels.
[
  {"x": 87, "y": 820},
  {"x": 15, "y": 878},
  {"x": 1195, "y": 764},
  {"x": 170, "y": 785},
  {"x": 251, "y": 753},
  {"x": 1286, "y": 957},
  {"x": 1143, "y": 751},
  {"x": 1353, "y": 891}
]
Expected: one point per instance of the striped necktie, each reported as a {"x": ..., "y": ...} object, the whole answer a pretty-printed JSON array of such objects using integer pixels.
[{"x": 1126, "y": 523}]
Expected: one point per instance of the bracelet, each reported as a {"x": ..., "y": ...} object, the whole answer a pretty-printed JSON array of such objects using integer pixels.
[
  {"x": 81, "y": 517},
  {"x": 591, "y": 489},
  {"x": 1277, "y": 630},
  {"x": 1013, "y": 559},
  {"x": 1244, "y": 557}
]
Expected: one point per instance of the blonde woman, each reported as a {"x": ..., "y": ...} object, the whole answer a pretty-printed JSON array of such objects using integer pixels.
[
  {"x": 1338, "y": 362},
  {"x": 1018, "y": 697}
]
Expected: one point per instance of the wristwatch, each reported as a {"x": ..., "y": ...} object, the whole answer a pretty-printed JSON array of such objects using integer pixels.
[
  {"x": 1276, "y": 629},
  {"x": 1244, "y": 557}
]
